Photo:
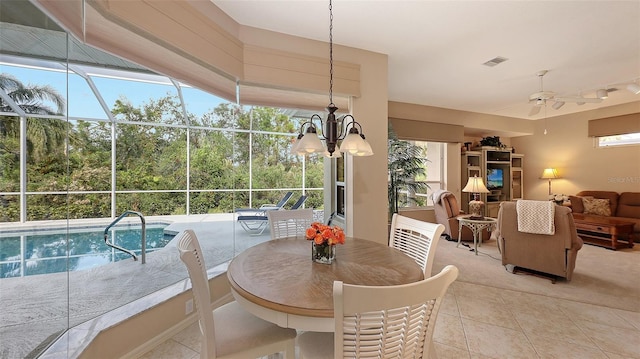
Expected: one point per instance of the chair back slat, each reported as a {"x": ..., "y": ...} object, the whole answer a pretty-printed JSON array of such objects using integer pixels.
[
  {"x": 290, "y": 223},
  {"x": 388, "y": 322},
  {"x": 417, "y": 239}
]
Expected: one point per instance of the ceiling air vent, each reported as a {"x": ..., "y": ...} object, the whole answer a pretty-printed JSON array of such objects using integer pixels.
[{"x": 495, "y": 61}]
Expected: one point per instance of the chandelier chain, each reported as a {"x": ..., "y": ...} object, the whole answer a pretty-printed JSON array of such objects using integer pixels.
[
  {"x": 330, "y": 54},
  {"x": 334, "y": 129}
]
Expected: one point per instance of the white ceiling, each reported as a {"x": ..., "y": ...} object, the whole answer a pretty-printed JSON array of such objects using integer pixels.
[{"x": 437, "y": 49}]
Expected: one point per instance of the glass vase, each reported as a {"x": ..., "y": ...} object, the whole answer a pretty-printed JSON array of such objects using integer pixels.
[{"x": 323, "y": 253}]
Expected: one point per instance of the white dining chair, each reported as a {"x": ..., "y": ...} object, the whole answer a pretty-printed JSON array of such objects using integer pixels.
[
  {"x": 229, "y": 331},
  {"x": 381, "y": 322},
  {"x": 290, "y": 223},
  {"x": 417, "y": 239}
]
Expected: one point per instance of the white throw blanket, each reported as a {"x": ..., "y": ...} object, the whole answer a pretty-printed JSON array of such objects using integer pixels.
[
  {"x": 437, "y": 195},
  {"x": 536, "y": 216}
]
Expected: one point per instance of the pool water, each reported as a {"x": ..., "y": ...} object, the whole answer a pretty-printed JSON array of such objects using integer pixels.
[{"x": 41, "y": 252}]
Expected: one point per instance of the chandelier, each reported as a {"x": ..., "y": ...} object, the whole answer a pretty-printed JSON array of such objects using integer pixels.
[{"x": 344, "y": 128}]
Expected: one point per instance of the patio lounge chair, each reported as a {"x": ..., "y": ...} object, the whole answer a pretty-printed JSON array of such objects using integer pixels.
[
  {"x": 254, "y": 220},
  {"x": 299, "y": 202},
  {"x": 266, "y": 207}
]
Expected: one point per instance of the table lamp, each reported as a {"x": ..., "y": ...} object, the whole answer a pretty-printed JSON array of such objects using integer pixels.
[
  {"x": 550, "y": 173},
  {"x": 476, "y": 206}
]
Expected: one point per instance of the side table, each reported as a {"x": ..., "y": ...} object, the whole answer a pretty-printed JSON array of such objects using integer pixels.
[{"x": 476, "y": 226}]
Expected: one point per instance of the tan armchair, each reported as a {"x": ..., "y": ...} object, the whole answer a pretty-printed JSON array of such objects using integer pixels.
[
  {"x": 446, "y": 209},
  {"x": 552, "y": 254}
]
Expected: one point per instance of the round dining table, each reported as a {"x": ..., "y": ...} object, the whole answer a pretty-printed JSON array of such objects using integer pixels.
[{"x": 278, "y": 281}]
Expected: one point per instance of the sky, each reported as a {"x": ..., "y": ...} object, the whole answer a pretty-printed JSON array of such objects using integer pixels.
[{"x": 83, "y": 103}]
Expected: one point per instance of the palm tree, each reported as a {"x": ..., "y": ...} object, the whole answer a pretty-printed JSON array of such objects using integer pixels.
[
  {"x": 406, "y": 162},
  {"x": 43, "y": 136}
]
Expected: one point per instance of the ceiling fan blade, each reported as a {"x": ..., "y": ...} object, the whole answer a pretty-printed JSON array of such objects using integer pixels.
[
  {"x": 534, "y": 110},
  {"x": 579, "y": 99}
]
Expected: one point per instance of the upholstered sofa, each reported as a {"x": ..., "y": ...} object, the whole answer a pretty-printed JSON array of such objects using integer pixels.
[
  {"x": 624, "y": 206},
  {"x": 552, "y": 254}
]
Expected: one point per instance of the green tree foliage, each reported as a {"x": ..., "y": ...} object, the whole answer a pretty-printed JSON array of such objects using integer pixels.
[
  {"x": 46, "y": 141},
  {"x": 150, "y": 155},
  {"x": 406, "y": 162}
]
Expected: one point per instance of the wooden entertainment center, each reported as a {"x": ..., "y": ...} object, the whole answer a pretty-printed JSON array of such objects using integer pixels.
[{"x": 502, "y": 173}]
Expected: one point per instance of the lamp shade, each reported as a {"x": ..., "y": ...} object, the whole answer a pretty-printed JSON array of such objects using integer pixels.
[
  {"x": 550, "y": 173},
  {"x": 365, "y": 149},
  {"x": 310, "y": 143},
  {"x": 354, "y": 144},
  {"x": 295, "y": 145},
  {"x": 475, "y": 185}
]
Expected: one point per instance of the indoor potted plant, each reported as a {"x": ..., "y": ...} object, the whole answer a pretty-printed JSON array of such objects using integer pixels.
[{"x": 405, "y": 162}]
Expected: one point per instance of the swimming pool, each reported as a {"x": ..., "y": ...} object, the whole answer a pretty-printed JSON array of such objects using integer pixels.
[{"x": 61, "y": 250}]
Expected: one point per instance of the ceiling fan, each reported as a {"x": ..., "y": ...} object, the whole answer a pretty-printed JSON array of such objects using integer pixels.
[{"x": 540, "y": 98}]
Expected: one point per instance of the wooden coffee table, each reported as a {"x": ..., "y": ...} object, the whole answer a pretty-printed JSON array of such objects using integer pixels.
[{"x": 604, "y": 231}]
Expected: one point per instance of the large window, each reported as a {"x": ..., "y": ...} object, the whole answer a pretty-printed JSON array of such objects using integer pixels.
[{"x": 149, "y": 151}]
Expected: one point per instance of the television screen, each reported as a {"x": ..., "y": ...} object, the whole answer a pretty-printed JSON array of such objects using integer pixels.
[{"x": 494, "y": 178}]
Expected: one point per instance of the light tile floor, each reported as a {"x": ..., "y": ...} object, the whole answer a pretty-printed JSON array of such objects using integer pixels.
[{"x": 478, "y": 322}]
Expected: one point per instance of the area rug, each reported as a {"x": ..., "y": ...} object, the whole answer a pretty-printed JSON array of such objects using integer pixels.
[{"x": 602, "y": 276}]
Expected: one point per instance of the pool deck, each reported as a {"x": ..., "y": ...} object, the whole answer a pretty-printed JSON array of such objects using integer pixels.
[{"x": 37, "y": 309}]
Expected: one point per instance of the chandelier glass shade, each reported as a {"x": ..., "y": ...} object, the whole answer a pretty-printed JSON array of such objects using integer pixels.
[{"x": 344, "y": 128}]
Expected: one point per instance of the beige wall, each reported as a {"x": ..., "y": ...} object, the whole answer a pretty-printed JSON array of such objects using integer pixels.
[
  {"x": 366, "y": 202},
  {"x": 581, "y": 165},
  {"x": 470, "y": 120}
]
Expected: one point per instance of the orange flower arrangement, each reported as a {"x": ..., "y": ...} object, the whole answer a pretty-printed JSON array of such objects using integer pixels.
[{"x": 322, "y": 234}]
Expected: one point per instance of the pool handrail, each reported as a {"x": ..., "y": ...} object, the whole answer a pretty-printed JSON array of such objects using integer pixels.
[{"x": 143, "y": 247}]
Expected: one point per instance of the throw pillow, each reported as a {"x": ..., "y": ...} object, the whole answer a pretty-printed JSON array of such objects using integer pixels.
[{"x": 596, "y": 206}]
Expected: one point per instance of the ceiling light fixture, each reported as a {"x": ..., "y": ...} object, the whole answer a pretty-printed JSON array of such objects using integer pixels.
[
  {"x": 602, "y": 94},
  {"x": 353, "y": 141},
  {"x": 558, "y": 104},
  {"x": 634, "y": 88}
]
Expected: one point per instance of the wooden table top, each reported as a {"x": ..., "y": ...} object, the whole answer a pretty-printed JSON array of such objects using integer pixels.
[{"x": 280, "y": 275}]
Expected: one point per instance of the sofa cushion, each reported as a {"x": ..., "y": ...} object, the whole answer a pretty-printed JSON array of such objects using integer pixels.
[
  {"x": 610, "y": 195},
  {"x": 598, "y": 206},
  {"x": 628, "y": 205},
  {"x": 576, "y": 204}
]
